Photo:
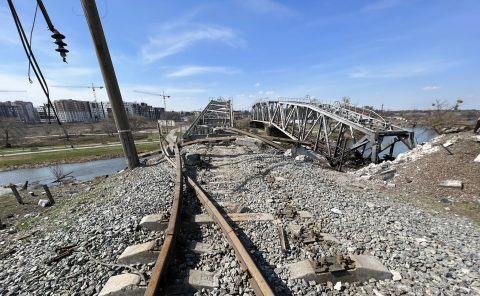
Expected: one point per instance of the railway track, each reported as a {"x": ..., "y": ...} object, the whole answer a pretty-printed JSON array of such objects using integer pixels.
[
  {"x": 219, "y": 239},
  {"x": 157, "y": 283}
]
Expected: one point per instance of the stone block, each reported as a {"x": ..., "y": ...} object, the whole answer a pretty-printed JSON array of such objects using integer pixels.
[
  {"x": 154, "y": 222},
  {"x": 201, "y": 248},
  {"x": 302, "y": 270},
  {"x": 199, "y": 279},
  {"x": 123, "y": 285},
  {"x": 139, "y": 254},
  {"x": 43, "y": 203},
  {"x": 452, "y": 184},
  {"x": 477, "y": 159}
]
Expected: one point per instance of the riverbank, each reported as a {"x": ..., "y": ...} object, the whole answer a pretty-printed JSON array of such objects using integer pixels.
[{"x": 48, "y": 158}]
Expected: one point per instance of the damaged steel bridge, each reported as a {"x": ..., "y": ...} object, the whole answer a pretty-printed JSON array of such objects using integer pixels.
[{"x": 340, "y": 132}]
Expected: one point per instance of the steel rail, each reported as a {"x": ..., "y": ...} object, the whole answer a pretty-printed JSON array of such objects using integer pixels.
[
  {"x": 271, "y": 143},
  {"x": 168, "y": 246},
  {"x": 208, "y": 140},
  {"x": 258, "y": 282}
]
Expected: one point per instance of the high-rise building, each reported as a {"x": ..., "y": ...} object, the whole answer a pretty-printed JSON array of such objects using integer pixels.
[
  {"x": 24, "y": 111},
  {"x": 73, "y": 111},
  {"x": 43, "y": 113}
]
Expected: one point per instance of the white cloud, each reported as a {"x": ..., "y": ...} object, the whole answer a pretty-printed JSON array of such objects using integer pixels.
[
  {"x": 432, "y": 87},
  {"x": 195, "y": 70},
  {"x": 268, "y": 7},
  {"x": 173, "y": 38},
  {"x": 257, "y": 84}
]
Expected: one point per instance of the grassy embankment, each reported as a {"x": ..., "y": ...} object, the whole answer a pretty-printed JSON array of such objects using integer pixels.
[{"x": 42, "y": 155}]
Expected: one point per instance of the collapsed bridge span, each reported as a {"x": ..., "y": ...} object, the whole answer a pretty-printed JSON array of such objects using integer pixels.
[{"x": 340, "y": 132}]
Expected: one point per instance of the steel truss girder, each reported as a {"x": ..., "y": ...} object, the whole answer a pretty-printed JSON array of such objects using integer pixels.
[
  {"x": 335, "y": 131},
  {"x": 217, "y": 113}
]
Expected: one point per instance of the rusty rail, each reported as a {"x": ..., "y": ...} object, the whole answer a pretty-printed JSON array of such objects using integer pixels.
[
  {"x": 168, "y": 246},
  {"x": 208, "y": 140},
  {"x": 266, "y": 141},
  {"x": 258, "y": 282}
]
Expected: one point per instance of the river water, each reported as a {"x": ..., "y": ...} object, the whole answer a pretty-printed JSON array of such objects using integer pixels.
[{"x": 81, "y": 171}]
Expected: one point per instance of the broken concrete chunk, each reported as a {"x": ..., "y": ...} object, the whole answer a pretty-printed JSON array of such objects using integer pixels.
[
  {"x": 452, "y": 184},
  {"x": 199, "y": 279},
  {"x": 302, "y": 270},
  {"x": 154, "y": 222},
  {"x": 336, "y": 211},
  {"x": 123, "y": 285},
  {"x": 43, "y": 203},
  {"x": 139, "y": 254},
  {"x": 477, "y": 159},
  {"x": 396, "y": 276},
  {"x": 201, "y": 248},
  {"x": 303, "y": 158}
]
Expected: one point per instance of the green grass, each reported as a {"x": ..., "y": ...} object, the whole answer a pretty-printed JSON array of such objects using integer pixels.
[{"x": 49, "y": 157}]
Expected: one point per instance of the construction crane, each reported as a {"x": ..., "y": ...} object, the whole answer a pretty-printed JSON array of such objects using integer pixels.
[
  {"x": 92, "y": 87},
  {"x": 155, "y": 94}
]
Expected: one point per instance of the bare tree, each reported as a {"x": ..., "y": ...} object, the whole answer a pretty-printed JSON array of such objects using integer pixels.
[
  {"x": 56, "y": 171},
  {"x": 108, "y": 126},
  {"x": 137, "y": 122},
  {"x": 12, "y": 129}
]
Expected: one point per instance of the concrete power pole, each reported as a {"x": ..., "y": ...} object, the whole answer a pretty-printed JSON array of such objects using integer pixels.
[{"x": 111, "y": 84}]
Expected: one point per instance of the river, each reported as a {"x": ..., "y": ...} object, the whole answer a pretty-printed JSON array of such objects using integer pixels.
[{"x": 81, "y": 171}]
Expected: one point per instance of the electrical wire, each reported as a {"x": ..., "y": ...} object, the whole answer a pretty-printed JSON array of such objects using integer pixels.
[
  {"x": 32, "y": 60},
  {"x": 31, "y": 34}
]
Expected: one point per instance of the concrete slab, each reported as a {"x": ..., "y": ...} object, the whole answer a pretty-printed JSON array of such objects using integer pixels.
[
  {"x": 154, "y": 222},
  {"x": 477, "y": 159},
  {"x": 235, "y": 217},
  {"x": 199, "y": 279},
  {"x": 452, "y": 184},
  {"x": 302, "y": 270},
  {"x": 123, "y": 285},
  {"x": 201, "y": 248},
  {"x": 366, "y": 268},
  {"x": 141, "y": 253}
]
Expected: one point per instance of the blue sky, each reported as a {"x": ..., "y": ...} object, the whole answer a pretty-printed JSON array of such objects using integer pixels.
[{"x": 403, "y": 54}]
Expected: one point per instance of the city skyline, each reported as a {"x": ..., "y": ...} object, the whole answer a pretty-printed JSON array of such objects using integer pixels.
[{"x": 403, "y": 54}]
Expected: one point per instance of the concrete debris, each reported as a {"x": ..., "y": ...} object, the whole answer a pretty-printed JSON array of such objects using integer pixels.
[
  {"x": 452, "y": 184},
  {"x": 200, "y": 279},
  {"x": 123, "y": 285},
  {"x": 477, "y": 159},
  {"x": 336, "y": 211},
  {"x": 338, "y": 286},
  {"x": 139, "y": 254},
  {"x": 396, "y": 276},
  {"x": 303, "y": 158},
  {"x": 249, "y": 142},
  {"x": 154, "y": 222},
  {"x": 192, "y": 159},
  {"x": 43, "y": 203}
]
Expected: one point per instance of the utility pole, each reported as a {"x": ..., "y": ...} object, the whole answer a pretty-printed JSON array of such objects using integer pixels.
[{"x": 111, "y": 84}]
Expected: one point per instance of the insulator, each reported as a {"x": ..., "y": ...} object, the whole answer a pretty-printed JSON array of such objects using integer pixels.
[
  {"x": 62, "y": 50},
  {"x": 60, "y": 43},
  {"x": 57, "y": 35}
]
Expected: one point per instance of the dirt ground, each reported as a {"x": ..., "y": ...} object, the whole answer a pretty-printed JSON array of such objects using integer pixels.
[{"x": 417, "y": 180}]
